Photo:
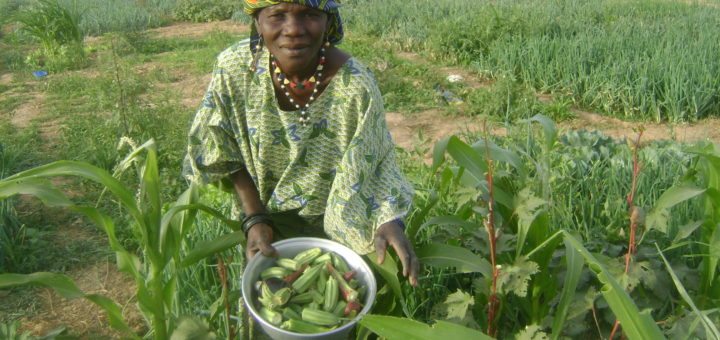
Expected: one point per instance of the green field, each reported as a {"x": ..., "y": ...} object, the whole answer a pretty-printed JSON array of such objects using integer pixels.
[{"x": 546, "y": 258}]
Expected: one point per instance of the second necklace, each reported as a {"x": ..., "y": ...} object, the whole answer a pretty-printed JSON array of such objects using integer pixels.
[{"x": 314, "y": 80}]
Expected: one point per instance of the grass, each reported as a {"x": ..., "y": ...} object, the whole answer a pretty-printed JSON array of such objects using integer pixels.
[{"x": 649, "y": 60}]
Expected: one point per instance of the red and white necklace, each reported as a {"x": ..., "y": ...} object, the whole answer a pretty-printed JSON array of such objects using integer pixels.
[{"x": 313, "y": 81}]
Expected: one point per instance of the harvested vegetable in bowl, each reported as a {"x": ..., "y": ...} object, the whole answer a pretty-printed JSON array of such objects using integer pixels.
[{"x": 314, "y": 292}]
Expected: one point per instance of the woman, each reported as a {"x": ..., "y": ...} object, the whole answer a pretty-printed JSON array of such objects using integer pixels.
[{"x": 297, "y": 126}]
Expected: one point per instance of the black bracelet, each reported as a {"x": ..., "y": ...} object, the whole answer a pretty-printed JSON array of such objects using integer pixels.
[{"x": 253, "y": 219}]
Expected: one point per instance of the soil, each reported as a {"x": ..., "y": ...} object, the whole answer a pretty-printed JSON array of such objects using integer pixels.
[{"x": 103, "y": 278}]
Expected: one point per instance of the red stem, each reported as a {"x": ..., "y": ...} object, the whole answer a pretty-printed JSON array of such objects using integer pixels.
[
  {"x": 633, "y": 219},
  {"x": 490, "y": 226}
]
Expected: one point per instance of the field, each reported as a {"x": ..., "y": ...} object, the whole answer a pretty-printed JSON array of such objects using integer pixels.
[{"x": 567, "y": 186}]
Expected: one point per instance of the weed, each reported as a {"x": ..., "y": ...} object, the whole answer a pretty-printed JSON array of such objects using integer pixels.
[{"x": 57, "y": 30}]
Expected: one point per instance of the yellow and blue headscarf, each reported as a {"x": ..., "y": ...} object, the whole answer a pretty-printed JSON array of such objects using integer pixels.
[{"x": 335, "y": 33}]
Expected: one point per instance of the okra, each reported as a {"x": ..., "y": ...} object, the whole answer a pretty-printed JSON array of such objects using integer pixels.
[
  {"x": 302, "y": 298},
  {"x": 320, "y": 318},
  {"x": 274, "y": 318},
  {"x": 290, "y": 278},
  {"x": 281, "y": 297},
  {"x": 289, "y": 313},
  {"x": 298, "y": 326},
  {"x": 306, "y": 279},
  {"x": 297, "y": 308},
  {"x": 349, "y": 275},
  {"x": 331, "y": 294},
  {"x": 288, "y": 264},
  {"x": 322, "y": 258},
  {"x": 321, "y": 281},
  {"x": 339, "y": 309},
  {"x": 312, "y": 305},
  {"x": 349, "y": 294},
  {"x": 307, "y": 256},
  {"x": 339, "y": 263},
  {"x": 266, "y": 297},
  {"x": 317, "y": 297},
  {"x": 278, "y": 272}
]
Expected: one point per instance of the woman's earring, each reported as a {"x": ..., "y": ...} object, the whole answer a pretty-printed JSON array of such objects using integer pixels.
[{"x": 256, "y": 54}]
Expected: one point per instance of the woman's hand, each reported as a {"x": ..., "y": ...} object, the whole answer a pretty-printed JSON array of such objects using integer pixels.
[
  {"x": 259, "y": 238},
  {"x": 391, "y": 233}
]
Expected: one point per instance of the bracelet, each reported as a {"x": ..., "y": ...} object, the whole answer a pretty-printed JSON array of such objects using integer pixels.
[{"x": 253, "y": 219}]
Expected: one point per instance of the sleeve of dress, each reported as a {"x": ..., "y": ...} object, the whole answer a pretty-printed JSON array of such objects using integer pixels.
[
  {"x": 369, "y": 188},
  {"x": 213, "y": 152}
]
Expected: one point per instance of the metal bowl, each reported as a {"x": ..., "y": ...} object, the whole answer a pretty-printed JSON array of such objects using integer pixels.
[{"x": 290, "y": 248}]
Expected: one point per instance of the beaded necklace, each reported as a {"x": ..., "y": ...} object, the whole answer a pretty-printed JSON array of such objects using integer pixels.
[{"x": 313, "y": 81}]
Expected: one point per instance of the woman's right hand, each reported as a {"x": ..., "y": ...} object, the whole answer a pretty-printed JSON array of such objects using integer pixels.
[{"x": 259, "y": 238}]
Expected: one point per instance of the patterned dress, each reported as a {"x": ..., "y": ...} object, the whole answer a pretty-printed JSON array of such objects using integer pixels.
[{"x": 341, "y": 165}]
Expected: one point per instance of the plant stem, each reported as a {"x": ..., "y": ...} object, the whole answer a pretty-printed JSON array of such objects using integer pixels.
[
  {"x": 634, "y": 214},
  {"x": 490, "y": 226},
  {"x": 222, "y": 272}
]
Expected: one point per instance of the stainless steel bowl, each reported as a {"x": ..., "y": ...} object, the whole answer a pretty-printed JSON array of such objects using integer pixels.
[{"x": 290, "y": 248}]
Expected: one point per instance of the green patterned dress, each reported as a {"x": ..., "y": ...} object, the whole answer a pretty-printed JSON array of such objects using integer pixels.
[{"x": 341, "y": 166}]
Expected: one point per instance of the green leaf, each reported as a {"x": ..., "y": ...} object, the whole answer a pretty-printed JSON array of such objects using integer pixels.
[
  {"x": 438, "y": 156},
  {"x": 711, "y": 329},
  {"x": 190, "y": 328},
  {"x": 394, "y": 328},
  {"x": 468, "y": 158},
  {"x": 457, "y": 304},
  {"x": 549, "y": 129},
  {"x": 514, "y": 278},
  {"x": 502, "y": 155},
  {"x": 635, "y": 324},
  {"x": 93, "y": 173},
  {"x": 531, "y": 332},
  {"x": 389, "y": 271},
  {"x": 443, "y": 255},
  {"x": 572, "y": 277},
  {"x": 67, "y": 289},
  {"x": 39, "y": 188},
  {"x": 448, "y": 222},
  {"x": 207, "y": 248},
  {"x": 657, "y": 217},
  {"x": 527, "y": 208}
]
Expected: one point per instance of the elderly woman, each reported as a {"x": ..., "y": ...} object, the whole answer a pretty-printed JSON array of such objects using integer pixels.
[{"x": 297, "y": 126}]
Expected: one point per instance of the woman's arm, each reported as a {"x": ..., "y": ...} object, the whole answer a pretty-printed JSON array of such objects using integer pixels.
[{"x": 260, "y": 235}]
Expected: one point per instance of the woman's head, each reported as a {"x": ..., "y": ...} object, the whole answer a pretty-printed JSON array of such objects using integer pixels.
[{"x": 333, "y": 33}]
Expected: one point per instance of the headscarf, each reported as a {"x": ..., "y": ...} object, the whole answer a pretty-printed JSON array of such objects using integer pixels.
[{"x": 334, "y": 35}]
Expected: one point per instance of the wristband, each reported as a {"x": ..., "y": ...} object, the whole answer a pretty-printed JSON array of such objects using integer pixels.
[{"x": 253, "y": 219}]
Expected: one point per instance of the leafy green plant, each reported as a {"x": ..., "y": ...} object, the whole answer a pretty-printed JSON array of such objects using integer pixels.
[
  {"x": 56, "y": 29},
  {"x": 205, "y": 10},
  {"x": 160, "y": 234}
]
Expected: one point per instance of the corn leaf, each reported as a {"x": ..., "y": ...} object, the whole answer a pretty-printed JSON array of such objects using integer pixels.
[
  {"x": 394, "y": 328},
  {"x": 572, "y": 277},
  {"x": 66, "y": 288},
  {"x": 93, "y": 173},
  {"x": 466, "y": 157},
  {"x": 549, "y": 129},
  {"x": 499, "y": 154},
  {"x": 205, "y": 249},
  {"x": 443, "y": 255},
  {"x": 710, "y": 328},
  {"x": 438, "y": 156},
  {"x": 636, "y": 325}
]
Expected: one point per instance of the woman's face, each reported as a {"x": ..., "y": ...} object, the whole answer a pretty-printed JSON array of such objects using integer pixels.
[{"x": 294, "y": 34}]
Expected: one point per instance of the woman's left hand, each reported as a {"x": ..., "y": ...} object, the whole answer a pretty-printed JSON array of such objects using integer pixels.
[{"x": 391, "y": 233}]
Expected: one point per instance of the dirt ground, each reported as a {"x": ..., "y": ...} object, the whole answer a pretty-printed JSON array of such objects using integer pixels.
[{"x": 103, "y": 278}]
